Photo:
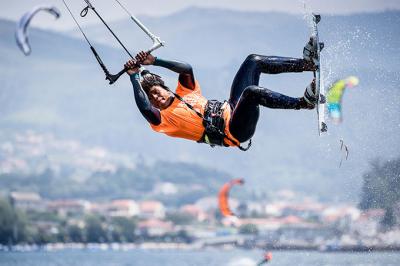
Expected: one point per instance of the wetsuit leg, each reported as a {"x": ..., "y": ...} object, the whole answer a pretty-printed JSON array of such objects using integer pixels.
[
  {"x": 246, "y": 96},
  {"x": 250, "y": 70},
  {"x": 244, "y": 117}
]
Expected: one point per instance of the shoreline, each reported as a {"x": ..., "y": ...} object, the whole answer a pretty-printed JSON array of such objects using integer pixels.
[{"x": 54, "y": 247}]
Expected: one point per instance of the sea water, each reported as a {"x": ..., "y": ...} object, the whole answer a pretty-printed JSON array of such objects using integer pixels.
[{"x": 210, "y": 257}]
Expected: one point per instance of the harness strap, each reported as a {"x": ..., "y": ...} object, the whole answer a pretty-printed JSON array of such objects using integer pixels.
[
  {"x": 146, "y": 72},
  {"x": 186, "y": 103}
]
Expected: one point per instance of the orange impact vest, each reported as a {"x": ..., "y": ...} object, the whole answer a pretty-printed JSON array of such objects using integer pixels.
[{"x": 179, "y": 121}]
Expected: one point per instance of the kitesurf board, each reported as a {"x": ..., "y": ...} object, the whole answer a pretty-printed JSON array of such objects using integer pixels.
[{"x": 320, "y": 90}]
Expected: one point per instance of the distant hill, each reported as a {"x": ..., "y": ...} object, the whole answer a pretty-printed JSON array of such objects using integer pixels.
[
  {"x": 61, "y": 89},
  {"x": 228, "y": 36},
  {"x": 190, "y": 182},
  {"x": 64, "y": 168}
]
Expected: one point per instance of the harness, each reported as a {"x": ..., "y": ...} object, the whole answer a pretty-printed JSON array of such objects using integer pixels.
[{"x": 214, "y": 124}]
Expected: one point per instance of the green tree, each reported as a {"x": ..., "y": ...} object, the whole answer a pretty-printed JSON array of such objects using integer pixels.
[
  {"x": 179, "y": 218},
  {"x": 381, "y": 189},
  {"x": 123, "y": 229},
  {"x": 75, "y": 234},
  {"x": 95, "y": 232},
  {"x": 12, "y": 224},
  {"x": 42, "y": 236},
  {"x": 389, "y": 220},
  {"x": 248, "y": 229},
  {"x": 381, "y": 185}
]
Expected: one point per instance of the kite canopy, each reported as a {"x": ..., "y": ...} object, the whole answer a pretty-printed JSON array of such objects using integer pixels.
[
  {"x": 21, "y": 34},
  {"x": 223, "y": 196},
  {"x": 335, "y": 96}
]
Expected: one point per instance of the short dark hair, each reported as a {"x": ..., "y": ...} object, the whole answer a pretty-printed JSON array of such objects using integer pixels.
[{"x": 149, "y": 80}]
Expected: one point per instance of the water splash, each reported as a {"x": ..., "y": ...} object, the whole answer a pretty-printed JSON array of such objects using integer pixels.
[{"x": 242, "y": 262}]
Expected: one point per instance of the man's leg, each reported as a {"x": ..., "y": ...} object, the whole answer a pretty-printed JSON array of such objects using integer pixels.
[
  {"x": 244, "y": 117},
  {"x": 251, "y": 69},
  {"x": 267, "y": 98},
  {"x": 246, "y": 96}
]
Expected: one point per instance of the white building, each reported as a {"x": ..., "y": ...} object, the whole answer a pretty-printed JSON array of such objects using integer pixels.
[
  {"x": 151, "y": 209},
  {"x": 123, "y": 208},
  {"x": 70, "y": 207},
  {"x": 27, "y": 201}
]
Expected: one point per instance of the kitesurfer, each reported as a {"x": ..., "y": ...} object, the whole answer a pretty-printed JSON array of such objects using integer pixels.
[
  {"x": 267, "y": 258},
  {"x": 188, "y": 114}
]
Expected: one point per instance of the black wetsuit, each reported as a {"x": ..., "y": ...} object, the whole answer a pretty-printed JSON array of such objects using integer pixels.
[
  {"x": 264, "y": 261},
  {"x": 245, "y": 96}
]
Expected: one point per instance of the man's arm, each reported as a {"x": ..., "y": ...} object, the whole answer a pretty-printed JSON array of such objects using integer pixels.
[
  {"x": 185, "y": 71},
  {"x": 149, "y": 112},
  {"x": 186, "y": 76}
]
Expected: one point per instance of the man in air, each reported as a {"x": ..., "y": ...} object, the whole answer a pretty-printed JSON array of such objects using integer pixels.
[{"x": 187, "y": 114}]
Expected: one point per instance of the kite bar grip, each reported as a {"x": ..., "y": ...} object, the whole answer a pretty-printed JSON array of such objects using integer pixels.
[
  {"x": 113, "y": 78},
  {"x": 110, "y": 77}
]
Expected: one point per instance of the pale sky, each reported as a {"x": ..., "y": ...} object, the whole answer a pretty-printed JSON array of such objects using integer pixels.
[{"x": 13, "y": 9}]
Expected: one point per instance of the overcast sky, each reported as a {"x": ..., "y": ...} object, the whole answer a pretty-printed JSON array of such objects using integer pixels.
[{"x": 13, "y": 9}]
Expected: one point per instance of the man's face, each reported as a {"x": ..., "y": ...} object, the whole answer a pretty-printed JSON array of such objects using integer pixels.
[{"x": 159, "y": 97}]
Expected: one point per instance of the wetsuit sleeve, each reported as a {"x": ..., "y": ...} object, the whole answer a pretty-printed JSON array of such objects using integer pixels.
[
  {"x": 186, "y": 76},
  {"x": 149, "y": 112}
]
